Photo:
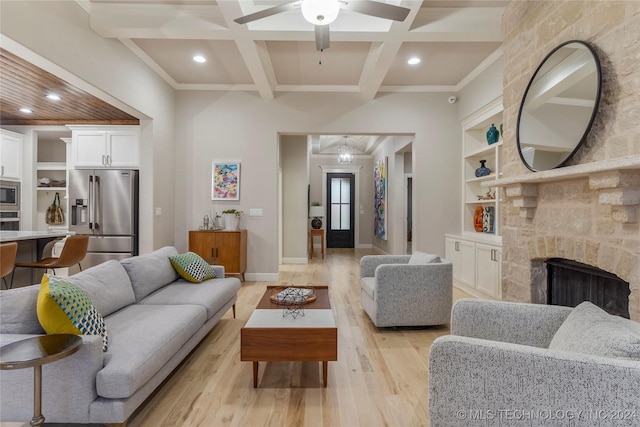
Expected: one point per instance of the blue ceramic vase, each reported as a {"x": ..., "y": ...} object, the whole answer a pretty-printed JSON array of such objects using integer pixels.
[
  {"x": 493, "y": 135},
  {"x": 482, "y": 170}
]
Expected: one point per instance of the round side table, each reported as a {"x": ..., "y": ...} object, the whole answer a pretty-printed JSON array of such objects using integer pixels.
[{"x": 35, "y": 352}]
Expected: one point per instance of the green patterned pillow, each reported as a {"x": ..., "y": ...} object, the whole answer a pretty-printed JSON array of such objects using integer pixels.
[
  {"x": 64, "y": 308},
  {"x": 192, "y": 267}
]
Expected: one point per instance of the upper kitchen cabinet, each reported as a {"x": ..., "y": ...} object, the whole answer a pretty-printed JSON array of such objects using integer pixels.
[
  {"x": 105, "y": 146},
  {"x": 10, "y": 155}
]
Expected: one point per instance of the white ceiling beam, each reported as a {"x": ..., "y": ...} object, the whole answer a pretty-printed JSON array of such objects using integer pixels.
[
  {"x": 382, "y": 55},
  {"x": 254, "y": 53}
]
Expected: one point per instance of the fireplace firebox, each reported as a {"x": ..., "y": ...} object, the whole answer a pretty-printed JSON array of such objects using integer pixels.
[{"x": 569, "y": 283}]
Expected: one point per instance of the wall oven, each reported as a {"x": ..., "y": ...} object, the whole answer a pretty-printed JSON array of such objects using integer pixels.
[
  {"x": 9, "y": 196},
  {"x": 10, "y": 221}
]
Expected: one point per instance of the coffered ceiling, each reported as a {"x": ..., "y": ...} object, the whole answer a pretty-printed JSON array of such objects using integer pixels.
[
  {"x": 278, "y": 54},
  {"x": 454, "y": 40}
]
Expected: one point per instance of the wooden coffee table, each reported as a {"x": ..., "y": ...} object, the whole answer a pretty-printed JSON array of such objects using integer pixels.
[{"x": 269, "y": 336}]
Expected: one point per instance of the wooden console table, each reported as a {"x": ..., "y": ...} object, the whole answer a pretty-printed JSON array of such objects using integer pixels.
[
  {"x": 313, "y": 232},
  {"x": 222, "y": 247}
]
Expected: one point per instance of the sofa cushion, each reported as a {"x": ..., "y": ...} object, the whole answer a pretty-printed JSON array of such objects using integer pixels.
[
  {"x": 143, "y": 338},
  {"x": 151, "y": 271},
  {"x": 212, "y": 294},
  {"x": 18, "y": 311},
  {"x": 590, "y": 330},
  {"x": 422, "y": 258},
  {"x": 368, "y": 285},
  {"x": 108, "y": 286},
  {"x": 64, "y": 308},
  {"x": 192, "y": 267}
]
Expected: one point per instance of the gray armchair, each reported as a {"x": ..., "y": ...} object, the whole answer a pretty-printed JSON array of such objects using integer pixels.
[
  {"x": 406, "y": 290},
  {"x": 516, "y": 364}
]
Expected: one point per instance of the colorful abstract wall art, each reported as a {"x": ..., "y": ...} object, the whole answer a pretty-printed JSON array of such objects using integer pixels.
[
  {"x": 225, "y": 181},
  {"x": 380, "y": 199}
]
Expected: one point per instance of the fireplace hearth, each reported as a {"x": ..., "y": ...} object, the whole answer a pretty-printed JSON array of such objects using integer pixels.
[{"x": 570, "y": 282}]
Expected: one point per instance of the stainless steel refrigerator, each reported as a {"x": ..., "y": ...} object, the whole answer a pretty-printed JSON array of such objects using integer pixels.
[{"x": 104, "y": 205}]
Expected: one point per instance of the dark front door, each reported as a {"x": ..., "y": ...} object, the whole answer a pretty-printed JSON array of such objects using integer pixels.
[{"x": 341, "y": 211}]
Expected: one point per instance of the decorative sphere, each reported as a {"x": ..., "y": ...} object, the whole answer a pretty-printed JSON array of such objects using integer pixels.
[{"x": 316, "y": 223}]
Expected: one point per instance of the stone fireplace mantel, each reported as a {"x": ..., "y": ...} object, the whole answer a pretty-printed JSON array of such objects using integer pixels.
[{"x": 616, "y": 180}]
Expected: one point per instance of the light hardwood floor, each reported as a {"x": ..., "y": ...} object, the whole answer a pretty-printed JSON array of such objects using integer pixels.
[{"x": 380, "y": 378}]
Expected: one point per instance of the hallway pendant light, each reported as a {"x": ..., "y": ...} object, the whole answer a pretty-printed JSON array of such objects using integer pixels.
[
  {"x": 345, "y": 153},
  {"x": 320, "y": 12}
]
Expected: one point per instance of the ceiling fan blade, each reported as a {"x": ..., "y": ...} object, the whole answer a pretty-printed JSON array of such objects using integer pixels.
[
  {"x": 322, "y": 37},
  {"x": 374, "y": 8},
  {"x": 267, "y": 12}
]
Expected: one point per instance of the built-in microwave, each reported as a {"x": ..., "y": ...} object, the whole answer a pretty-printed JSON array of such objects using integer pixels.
[{"x": 9, "y": 195}]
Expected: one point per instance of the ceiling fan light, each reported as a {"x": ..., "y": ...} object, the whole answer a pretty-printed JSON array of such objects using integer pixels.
[{"x": 320, "y": 12}]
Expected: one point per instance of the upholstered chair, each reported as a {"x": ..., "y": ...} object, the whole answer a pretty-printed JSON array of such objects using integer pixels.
[
  {"x": 406, "y": 290},
  {"x": 519, "y": 364}
]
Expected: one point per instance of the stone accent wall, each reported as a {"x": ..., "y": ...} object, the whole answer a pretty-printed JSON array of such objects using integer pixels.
[{"x": 568, "y": 221}]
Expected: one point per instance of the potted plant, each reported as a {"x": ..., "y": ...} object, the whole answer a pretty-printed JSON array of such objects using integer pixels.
[{"x": 231, "y": 218}]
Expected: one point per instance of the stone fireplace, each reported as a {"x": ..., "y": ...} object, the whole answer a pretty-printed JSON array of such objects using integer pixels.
[{"x": 588, "y": 211}]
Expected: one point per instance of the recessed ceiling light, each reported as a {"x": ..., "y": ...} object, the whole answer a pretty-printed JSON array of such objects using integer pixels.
[
  {"x": 199, "y": 58},
  {"x": 26, "y": 110},
  {"x": 53, "y": 97},
  {"x": 413, "y": 61}
]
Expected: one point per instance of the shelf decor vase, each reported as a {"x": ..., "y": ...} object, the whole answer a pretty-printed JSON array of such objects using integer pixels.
[
  {"x": 482, "y": 170},
  {"x": 493, "y": 135},
  {"x": 488, "y": 220},
  {"x": 478, "y": 219}
]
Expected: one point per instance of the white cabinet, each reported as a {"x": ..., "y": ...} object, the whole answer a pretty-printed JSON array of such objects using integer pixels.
[
  {"x": 10, "y": 155},
  {"x": 488, "y": 268},
  {"x": 462, "y": 254},
  {"x": 476, "y": 265},
  {"x": 105, "y": 147},
  {"x": 476, "y": 253}
]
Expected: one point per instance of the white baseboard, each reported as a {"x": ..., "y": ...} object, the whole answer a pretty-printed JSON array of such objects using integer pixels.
[
  {"x": 295, "y": 261},
  {"x": 262, "y": 277}
]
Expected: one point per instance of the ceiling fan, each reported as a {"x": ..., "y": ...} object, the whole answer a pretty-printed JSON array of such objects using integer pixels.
[{"x": 321, "y": 13}]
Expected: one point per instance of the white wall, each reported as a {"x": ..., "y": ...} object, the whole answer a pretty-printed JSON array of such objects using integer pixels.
[
  {"x": 212, "y": 125},
  {"x": 482, "y": 90},
  {"x": 57, "y": 34},
  {"x": 293, "y": 155}
]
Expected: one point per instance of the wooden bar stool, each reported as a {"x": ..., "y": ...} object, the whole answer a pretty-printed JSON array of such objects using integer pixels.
[
  {"x": 8, "y": 253},
  {"x": 73, "y": 251}
]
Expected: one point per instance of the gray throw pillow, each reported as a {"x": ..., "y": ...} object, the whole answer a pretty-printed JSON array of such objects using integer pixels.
[
  {"x": 591, "y": 330},
  {"x": 421, "y": 258}
]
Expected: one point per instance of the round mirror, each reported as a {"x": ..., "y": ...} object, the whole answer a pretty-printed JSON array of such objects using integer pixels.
[{"x": 558, "y": 106}]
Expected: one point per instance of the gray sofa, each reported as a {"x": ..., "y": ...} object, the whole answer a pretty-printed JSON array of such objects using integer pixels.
[
  {"x": 406, "y": 290},
  {"x": 516, "y": 364},
  {"x": 154, "y": 320}
]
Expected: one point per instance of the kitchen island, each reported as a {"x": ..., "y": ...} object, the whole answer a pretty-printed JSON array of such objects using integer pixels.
[
  {"x": 14, "y": 236},
  {"x": 31, "y": 247}
]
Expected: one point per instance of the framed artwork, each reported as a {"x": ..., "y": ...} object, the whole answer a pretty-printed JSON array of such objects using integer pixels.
[
  {"x": 225, "y": 180},
  {"x": 380, "y": 198}
]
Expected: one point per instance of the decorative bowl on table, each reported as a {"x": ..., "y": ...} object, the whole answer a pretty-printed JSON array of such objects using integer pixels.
[{"x": 292, "y": 295}]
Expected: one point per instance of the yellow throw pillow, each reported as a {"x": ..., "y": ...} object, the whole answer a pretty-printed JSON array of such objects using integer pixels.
[
  {"x": 64, "y": 308},
  {"x": 192, "y": 267}
]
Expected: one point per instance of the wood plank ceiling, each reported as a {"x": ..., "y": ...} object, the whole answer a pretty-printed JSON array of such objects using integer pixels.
[{"x": 22, "y": 84}]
